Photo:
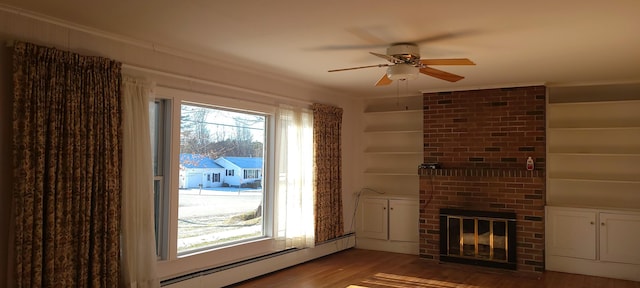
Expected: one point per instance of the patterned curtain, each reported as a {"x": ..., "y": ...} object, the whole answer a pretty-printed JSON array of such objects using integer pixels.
[
  {"x": 67, "y": 162},
  {"x": 327, "y": 128}
]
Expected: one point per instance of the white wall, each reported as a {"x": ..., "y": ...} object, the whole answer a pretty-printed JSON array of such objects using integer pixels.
[{"x": 214, "y": 78}]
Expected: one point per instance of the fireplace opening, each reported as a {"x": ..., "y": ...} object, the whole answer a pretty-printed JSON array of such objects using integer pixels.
[{"x": 478, "y": 237}]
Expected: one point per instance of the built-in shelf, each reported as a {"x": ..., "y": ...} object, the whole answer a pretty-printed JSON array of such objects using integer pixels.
[
  {"x": 595, "y": 179},
  {"x": 392, "y": 152},
  {"x": 390, "y": 130},
  {"x": 588, "y": 151},
  {"x": 392, "y": 138},
  {"x": 598, "y": 128},
  {"x": 593, "y": 149},
  {"x": 392, "y": 172},
  {"x": 602, "y": 178},
  {"x": 371, "y": 113},
  {"x": 409, "y": 104}
]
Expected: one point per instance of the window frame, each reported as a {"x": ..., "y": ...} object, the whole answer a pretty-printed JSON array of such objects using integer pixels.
[{"x": 172, "y": 263}]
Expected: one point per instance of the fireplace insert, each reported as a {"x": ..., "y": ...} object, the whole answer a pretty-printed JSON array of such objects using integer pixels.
[{"x": 482, "y": 238}]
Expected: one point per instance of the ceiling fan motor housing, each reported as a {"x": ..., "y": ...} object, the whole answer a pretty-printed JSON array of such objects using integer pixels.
[
  {"x": 408, "y": 55},
  {"x": 409, "y": 52}
]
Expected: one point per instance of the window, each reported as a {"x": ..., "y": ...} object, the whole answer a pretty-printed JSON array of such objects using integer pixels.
[
  {"x": 217, "y": 200},
  {"x": 251, "y": 174},
  {"x": 157, "y": 115}
]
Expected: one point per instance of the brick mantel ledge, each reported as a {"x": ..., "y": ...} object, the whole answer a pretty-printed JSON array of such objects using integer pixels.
[{"x": 480, "y": 172}]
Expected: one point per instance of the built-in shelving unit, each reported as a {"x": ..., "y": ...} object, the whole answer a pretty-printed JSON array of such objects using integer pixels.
[
  {"x": 393, "y": 136},
  {"x": 392, "y": 150},
  {"x": 593, "y": 180},
  {"x": 594, "y": 153}
]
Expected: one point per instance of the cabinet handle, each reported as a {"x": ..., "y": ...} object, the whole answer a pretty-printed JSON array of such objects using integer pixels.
[
  {"x": 391, "y": 208},
  {"x": 602, "y": 224},
  {"x": 592, "y": 223},
  {"x": 384, "y": 208}
]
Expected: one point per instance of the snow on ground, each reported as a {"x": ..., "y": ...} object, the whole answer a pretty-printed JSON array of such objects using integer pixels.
[{"x": 203, "y": 215}]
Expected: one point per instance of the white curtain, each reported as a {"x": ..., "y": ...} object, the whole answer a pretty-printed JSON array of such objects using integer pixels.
[
  {"x": 294, "y": 199},
  {"x": 138, "y": 232}
]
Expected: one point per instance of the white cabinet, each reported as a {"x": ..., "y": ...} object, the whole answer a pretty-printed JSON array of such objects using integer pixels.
[
  {"x": 388, "y": 224},
  {"x": 389, "y": 219},
  {"x": 374, "y": 219},
  {"x": 593, "y": 241},
  {"x": 403, "y": 220},
  {"x": 572, "y": 233},
  {"x": 619, "y": 238}
]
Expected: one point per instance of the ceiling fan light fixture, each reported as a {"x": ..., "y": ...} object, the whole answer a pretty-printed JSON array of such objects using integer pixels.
[{"x": 402, "y": 72}]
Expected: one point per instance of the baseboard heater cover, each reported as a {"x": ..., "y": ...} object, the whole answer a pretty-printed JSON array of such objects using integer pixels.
[
  {"x": 225, "y": 267},
  {"x": 208, "y": 271}
]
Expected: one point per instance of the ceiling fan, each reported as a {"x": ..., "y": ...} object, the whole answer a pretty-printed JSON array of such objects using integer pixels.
[{"x": 406, "y": 64}]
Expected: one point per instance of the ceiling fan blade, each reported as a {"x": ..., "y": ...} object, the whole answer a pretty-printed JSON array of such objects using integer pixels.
[
  {"x": 348, "y": 47},
  {"x": 384, "y": 80},
  {"x": 390, "y": 58},
  {"x": 443, "y": 36},
  {"x": 455, "y": 61},
  {"x": 441, "y": 74},
  {"x": 366, "y": 35},
  {"x": 360, "y": 67}
]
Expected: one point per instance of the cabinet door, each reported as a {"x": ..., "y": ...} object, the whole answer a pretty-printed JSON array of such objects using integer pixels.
[
  {"x": 373, "y": 218},
  {"x": 403, "y": 220},
  {"x": 571, "y": 233},
  {"x": 619, "y": 238}
]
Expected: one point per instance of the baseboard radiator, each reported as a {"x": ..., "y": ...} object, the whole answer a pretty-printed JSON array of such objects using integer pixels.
[{"x": 258, "y": 266}]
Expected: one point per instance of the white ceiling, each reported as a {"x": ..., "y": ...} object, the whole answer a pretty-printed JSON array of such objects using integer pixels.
[{"x": 512, "y": 42}]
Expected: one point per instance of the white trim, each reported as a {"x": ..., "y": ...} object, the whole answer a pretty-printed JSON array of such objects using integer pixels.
[
  {"x": 484, "y": 87},
  {"x": 592, "y": 267},
  {"x": 594, "y": 83},
  {"x": 126, "y": 67},
  {"x": 218, "y": 101},
  {"x": 412, "y": 248}
]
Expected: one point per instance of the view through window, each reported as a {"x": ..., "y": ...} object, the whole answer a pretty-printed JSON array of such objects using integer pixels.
[{"x": 220, "y": 177}]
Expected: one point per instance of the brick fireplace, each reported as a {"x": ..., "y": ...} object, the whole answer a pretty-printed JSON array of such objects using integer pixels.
[{"x": 481, "y": 139}]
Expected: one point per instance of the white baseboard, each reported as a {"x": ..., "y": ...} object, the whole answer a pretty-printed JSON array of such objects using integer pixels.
[
  {"x": 593, "y": 268},
  {"x": 261, "y": 267},
  {"x": 388, "y": 246}
]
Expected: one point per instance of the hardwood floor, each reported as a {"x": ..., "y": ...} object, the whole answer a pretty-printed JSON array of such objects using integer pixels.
[{"x": 376, "y": 269}]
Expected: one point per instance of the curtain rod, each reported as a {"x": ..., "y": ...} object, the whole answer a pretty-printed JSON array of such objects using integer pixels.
[{"x": 212, "y": 83}]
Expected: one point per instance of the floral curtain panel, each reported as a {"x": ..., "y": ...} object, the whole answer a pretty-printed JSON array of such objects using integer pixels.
[
  {"x": 67, "y": 162},
  {"x": 327, "y": 129}
]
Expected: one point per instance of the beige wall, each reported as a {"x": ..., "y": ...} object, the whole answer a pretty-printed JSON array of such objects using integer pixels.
[{"x": 217, "y": 77}]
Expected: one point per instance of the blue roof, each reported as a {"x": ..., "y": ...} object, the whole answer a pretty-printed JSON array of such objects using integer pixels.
[
  {"x": 246, "y": 162},
  {"x": 197, "y": 161}
]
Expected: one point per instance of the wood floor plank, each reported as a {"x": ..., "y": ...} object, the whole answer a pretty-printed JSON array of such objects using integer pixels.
[{"x": 377, "y": 269}]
